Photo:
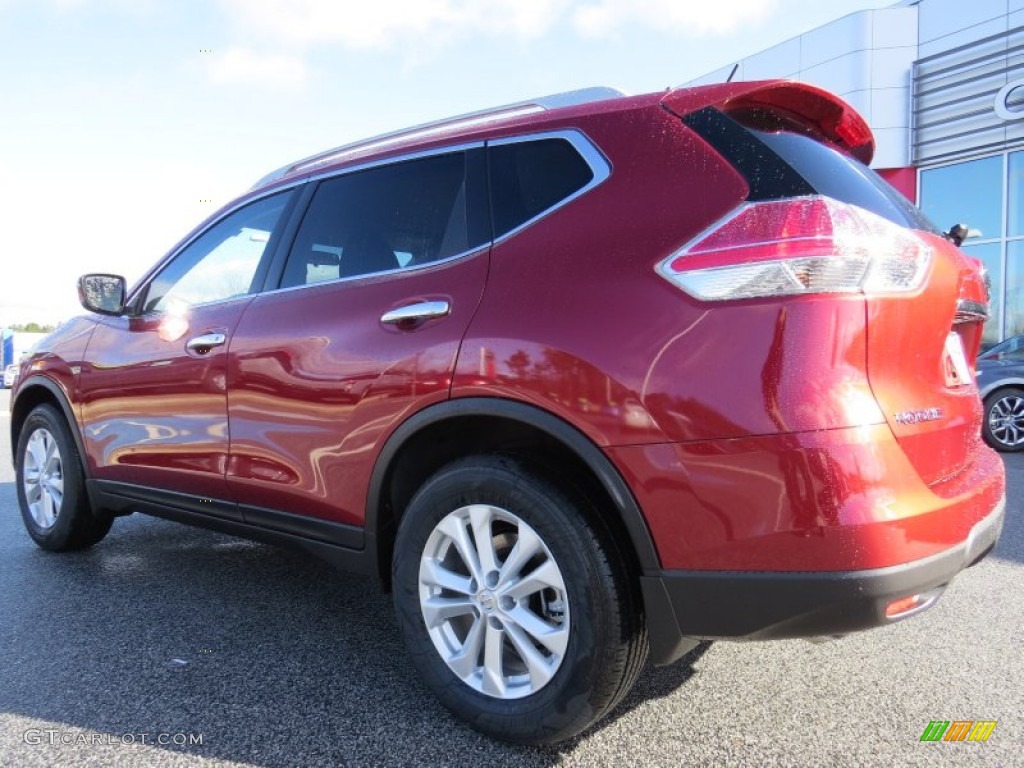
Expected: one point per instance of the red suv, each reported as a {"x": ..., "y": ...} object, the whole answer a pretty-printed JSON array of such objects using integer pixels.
[{"x": 582, "y": 381}]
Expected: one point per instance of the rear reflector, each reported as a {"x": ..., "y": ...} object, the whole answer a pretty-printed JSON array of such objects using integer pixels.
[
  {"x": 804, "y": 245},
  {"x": 907, "y": 606}
]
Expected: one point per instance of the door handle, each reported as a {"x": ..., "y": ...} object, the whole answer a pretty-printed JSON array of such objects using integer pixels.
[
  {"x": 422, "y": 310},
  {"x": 204, "y": 343}
]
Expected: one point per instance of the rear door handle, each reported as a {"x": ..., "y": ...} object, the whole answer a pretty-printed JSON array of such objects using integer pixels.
[
  {"x": 423, "y": 310},
  {"x": 204, "y": 343}
]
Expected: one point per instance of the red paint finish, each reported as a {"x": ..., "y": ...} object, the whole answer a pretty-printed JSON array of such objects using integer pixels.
[
  {"x": 153, "y": 412},
  {"x": 318, "y": 382},
  {"x": 833, "y": 500},
  {"x": 763, "y": 434}
]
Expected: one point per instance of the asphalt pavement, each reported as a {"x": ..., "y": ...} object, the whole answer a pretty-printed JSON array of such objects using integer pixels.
[{"x": 171, "y": 646}]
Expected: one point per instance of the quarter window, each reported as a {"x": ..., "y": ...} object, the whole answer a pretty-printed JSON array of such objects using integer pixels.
[
  {"x": 388, "y": 217},
  {"x": 220, "y": 263},
  {"x": 529, "y": 177}
]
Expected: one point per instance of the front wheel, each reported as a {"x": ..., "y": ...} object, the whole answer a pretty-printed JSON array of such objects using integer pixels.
[
  {"x": 51, "y": 486},
  {"x": 515, "y": 605},
  {"x": 1003, "y": 425}
]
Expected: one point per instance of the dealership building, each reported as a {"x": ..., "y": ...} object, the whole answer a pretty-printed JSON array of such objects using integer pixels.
[{"x": 941, "y": 83}]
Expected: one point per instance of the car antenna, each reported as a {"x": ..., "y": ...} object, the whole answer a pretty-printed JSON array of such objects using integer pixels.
[{"x": 733, "y": 73}]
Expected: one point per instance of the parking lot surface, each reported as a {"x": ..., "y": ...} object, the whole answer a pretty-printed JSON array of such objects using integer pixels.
[{"x": 171, "y": 646}]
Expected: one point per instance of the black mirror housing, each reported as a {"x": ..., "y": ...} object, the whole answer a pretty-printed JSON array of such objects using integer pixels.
[{"x": 103, "y": 294}]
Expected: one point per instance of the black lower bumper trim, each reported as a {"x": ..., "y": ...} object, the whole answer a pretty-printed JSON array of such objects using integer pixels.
[{"x": 684, "y": 606}]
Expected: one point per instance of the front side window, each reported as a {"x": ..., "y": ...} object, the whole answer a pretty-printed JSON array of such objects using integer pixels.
[
  {"x": 404, "y": 214},
  {"x": 220, "y": 263}
]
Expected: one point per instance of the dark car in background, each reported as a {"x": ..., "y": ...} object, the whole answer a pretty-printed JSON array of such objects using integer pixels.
[{"x": 1001, "y": 386}]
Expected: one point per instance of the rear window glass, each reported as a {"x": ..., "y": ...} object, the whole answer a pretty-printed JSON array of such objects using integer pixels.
[
  {"x": 777, "y": 165},
  {"x": 530, "y": 177},
  {"x": 842, "y": 177}
]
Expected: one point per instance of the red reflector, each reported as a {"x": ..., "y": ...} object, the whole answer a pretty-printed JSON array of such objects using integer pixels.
[
  {"x": 907, "y": 606},
  {"x": 896, "y": 607}
]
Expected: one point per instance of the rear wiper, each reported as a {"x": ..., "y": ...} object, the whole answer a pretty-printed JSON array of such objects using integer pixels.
[{"x": 957, "y": 234}]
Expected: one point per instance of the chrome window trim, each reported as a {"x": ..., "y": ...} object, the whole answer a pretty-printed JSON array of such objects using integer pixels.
[
  {"x": 157, "y": 268},
  {"x": 599, "y": 165},
  {"x": 292, "y": 184},
  {"x": 387, "y": 273},
  {"x": 461, "y": 122}
]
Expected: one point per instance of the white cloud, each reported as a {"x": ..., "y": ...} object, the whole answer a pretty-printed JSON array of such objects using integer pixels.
[
  {"x": 601, "y": 18},
  {"x": 401, "y": 24},
  {"x": 389, "y": 24},
  {"x": 242, "y": 65}
]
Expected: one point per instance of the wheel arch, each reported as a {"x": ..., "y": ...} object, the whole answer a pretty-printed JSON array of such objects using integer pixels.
[
  {"x": 436, "y": 435},
  {"x": 996, "y": 386},
  {"x": 37, "y": 390}
]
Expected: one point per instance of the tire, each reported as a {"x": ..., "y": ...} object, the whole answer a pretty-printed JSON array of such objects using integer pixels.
[
  {"x": 51, "y": 486},
  {"x": 1003, "y": 422},
  {"x": 481, "y": 656}
]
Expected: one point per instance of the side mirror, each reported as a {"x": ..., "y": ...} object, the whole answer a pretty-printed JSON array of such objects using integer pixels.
[{"x": 104, "y": 294}]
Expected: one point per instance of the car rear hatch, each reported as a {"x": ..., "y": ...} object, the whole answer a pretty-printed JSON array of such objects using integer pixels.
[{"x": 800, "y": 150}]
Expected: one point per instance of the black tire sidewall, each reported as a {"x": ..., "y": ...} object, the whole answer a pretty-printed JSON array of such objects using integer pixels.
[
  {"x": 73, "y": 505},
  {"x": 986, "y": 432},
  {"x": 567, "y": 702}
]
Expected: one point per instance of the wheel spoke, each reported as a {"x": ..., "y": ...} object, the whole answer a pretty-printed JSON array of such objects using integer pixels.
[
  {"x": 553, "y": 637},
  {"x": 543, "y": 576},
  {"x": 480, "y": 517},
  {"x": 455, "y": 529},
  {"x": 539, "y": 667},
  {"x": 440, "y": 609},
  {"x": 527, "y": 545},
  {"x": 433, "y": 574},
  {"x": 467, "y": 660},
  {"x": 494, "y": 668}
]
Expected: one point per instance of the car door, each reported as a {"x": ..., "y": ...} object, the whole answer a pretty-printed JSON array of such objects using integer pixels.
[
  {"x": 383, "y": 276},
  {"x": 153, "y": 389}
]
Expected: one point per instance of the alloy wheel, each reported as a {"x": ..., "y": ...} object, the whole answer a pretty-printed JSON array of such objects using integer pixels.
[
  {"x": 1006, "y": 420},
  {"x": 494, "y": 601},
  {"x": 43, "y": 478}
]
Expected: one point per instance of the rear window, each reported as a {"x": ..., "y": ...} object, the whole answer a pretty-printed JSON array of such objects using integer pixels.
[{"x": 781, "y": 164}]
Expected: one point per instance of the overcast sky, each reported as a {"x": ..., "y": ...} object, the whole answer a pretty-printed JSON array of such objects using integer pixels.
[{"x": 123, "y": 123}]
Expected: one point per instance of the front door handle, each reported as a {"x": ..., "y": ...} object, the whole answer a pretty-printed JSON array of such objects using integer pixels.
[
  {"x": 422, "y": 310},
  {"x": 204, "y": 343}
]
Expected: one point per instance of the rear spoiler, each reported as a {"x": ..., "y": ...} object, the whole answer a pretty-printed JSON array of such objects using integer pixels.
[{"x": 780, "y": 103}]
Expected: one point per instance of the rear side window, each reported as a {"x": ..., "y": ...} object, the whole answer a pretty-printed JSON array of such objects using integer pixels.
[
  {"x": 531, "y": 177},
  {"x": 389, "y": 217},
  {"x": 782, "y": 164}
]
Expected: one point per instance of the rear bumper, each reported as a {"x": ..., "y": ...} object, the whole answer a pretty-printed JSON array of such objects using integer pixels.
[{"x": 686, "y": 606}]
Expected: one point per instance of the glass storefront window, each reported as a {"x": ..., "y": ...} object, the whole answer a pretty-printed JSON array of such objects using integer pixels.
[
  {"x": 1015, "y": 203},
  {"x": 990, "y": 256},
  {"x": 1015, "y": 288},
  {"x": 968, "y": 193}
]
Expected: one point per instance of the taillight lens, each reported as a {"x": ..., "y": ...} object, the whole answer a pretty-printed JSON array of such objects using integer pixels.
[{"x": 799, "y": 246}]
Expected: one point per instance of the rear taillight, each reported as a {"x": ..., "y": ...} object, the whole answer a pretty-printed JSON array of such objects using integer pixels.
[{"x": 802, "y": 245}]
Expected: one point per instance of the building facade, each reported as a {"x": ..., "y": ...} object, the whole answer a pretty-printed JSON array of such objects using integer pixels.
[{"x": 941, "y": 82}]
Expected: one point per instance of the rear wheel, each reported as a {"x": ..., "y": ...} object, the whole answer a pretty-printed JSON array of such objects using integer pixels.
[
  {"x": 1003, "y": 425},
  {"x": 51, "y": 486},
  {"x": 514, "y": 603}
]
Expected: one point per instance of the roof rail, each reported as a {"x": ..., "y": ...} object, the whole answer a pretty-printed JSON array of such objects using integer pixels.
[{"x": 468, "y": 120}]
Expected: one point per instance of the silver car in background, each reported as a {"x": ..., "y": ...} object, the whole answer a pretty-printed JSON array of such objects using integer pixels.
[{"x": 11, "y": 376}]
